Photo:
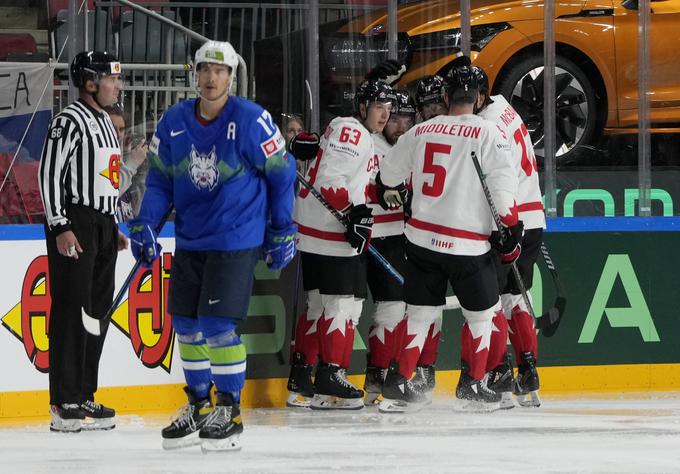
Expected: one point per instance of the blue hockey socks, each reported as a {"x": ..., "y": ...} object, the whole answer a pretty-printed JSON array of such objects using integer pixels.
[
  {"x": 194, "y": 353},
  {"x": 227, "y": 354}
]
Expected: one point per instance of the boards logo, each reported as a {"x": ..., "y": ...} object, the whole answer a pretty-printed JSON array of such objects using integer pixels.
[
  {"x": 143, "y": 317},
  {"x": 112, "y": 172}
]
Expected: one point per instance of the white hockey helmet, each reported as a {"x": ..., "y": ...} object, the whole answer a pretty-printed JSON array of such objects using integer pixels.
[{"x": 217, "y": 52}]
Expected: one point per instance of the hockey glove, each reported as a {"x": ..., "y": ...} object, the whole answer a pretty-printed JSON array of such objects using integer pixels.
[
  {"x": 391, "y": 198},
  {"x": 144, "y": 244},
  {"x": 279, "y": 246},
  {"x": 304, "y": 146},
  {"x": 389, "y": 71},
  {"x": 510, "y": 249},
  {"x": 359, "y": 227}
]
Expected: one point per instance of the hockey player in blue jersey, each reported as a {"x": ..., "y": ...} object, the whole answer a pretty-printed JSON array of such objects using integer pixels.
[{"x": 221, "y": 161}]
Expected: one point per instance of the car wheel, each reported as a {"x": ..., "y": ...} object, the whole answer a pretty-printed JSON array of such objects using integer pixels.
[{"x": 576, "y": 106}]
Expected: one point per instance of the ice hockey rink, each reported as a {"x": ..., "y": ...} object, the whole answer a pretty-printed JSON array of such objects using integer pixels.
[{"x": 609, "y": 434}]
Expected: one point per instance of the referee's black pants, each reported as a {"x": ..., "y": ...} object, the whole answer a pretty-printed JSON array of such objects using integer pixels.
[{"x": 74, "y": 284}]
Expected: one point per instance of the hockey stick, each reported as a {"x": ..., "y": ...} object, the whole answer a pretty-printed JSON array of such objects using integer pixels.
[
  {"x": 97, "y": 326},
  {"x": 390, "y": 269},
  {"x": 555, "y": 313},
  {"x": 544, "y": 322}
]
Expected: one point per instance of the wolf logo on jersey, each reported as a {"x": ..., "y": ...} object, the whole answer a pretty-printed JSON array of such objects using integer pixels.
[{"x": 203, "y": 169}]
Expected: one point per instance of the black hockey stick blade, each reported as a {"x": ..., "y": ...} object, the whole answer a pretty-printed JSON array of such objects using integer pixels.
[{"x": 549, "y": 322}]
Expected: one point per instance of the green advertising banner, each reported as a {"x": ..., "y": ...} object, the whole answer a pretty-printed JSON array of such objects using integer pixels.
[{"x": 623, "y": 304}]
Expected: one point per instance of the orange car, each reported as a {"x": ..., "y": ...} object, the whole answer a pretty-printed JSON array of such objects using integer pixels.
[{"x": 596, "y": 45}]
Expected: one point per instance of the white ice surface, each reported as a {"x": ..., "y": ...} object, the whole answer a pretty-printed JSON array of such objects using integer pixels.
[{"x": 613, "y": 435}]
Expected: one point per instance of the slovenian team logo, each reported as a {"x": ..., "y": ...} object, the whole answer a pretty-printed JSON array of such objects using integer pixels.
[{"x": 203, "y": 169}]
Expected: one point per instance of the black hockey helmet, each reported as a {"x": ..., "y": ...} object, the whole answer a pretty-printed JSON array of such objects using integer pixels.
[
  {"x": 405, "y": 104},
  {"x": 482, "y": 79},
  {"x": 462, "y": 85},
  {"x": 374, "y": 91},
  {"x": 460, "y": 60},
  {"x": 91, "y": 66},
  {"x": 430, "y": 90}
]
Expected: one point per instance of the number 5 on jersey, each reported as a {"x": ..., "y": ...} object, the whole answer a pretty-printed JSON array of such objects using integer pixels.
[{"x": 436, "y": 187}]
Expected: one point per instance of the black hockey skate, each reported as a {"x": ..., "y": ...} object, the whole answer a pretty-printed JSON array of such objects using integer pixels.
[
  {"x": 333, "y": 390},
  {"x": 300, "y": 386},
  {"x": 526, "y": 384},
  {"x": 501, "y": 380},
  {"x": 103, "y": 418},
  {"x": 400, "y": 395},
  {"x": 373, "y": 384},
  {"x": 424, "y": 380},
  {"x": 474, "y": 394},
  {"x": 222, "y": 430},
  {"x": 183, "y": 431},
  {"x": 66, "y": 418}
]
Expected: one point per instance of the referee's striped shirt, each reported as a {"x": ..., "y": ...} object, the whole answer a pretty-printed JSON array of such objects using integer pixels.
[{"x": 80, "y": 164}]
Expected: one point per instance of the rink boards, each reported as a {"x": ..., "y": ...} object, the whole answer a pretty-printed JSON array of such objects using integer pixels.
[{"x": 619, "y": 333}]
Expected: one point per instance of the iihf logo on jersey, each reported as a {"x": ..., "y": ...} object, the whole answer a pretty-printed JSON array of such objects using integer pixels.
[{"x": 203, "y": 169}]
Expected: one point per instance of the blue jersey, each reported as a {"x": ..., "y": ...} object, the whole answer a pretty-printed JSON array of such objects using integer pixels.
[{"x": 228, "y": 179}]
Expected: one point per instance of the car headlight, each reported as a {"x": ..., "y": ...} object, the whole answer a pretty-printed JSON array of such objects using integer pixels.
[
  {"x": 447, "y": 39},
  {"x": 357, "y": 54}
]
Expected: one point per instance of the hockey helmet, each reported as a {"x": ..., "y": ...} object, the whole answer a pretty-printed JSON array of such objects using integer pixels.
[
  {"x": 459, "y": 60},
  {"x": 462, "y": 85},
  {"x": 217, "y": 52},
  {"x": 375, "y": 91},
  {"x": 482, "y": 79},
  {"x": 405, "y": 105},
  {"x": 91, "y": 66},
  {"x": 430, "y": 90}
]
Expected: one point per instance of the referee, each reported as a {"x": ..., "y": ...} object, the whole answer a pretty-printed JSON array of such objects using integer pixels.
[{"x": 78, "y": 177}]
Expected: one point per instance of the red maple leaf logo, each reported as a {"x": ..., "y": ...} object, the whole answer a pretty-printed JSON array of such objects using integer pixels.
[
  {"x": 511, "y": 218},
  {"x": 338, "y": 198}
]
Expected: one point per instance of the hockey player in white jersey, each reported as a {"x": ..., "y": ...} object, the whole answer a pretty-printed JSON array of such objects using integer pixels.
[
  {"x": 521, "y": 326},
  {"x": 386, "y": 332},
  {"x": 449, "y": 231},
  {"x": 333, "y": 260}
]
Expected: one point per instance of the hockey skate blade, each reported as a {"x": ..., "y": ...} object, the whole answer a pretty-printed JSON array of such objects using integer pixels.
[
  {"x": 330, "y": 402},
  {"x": 399, "y": 406},
  {"x": 529, "y": 400},
  {"x": 91, "y": 324},
  {"x": 372, "y": 399},
  {"x": 296, "y": 400},
  {"x": 506, "y": 401},
  {"x": 99, "y": 424},
  {"x": 232, "y": 443},
  {"x": 187, "y": 441},
  {"x": 65, "y": 426}
]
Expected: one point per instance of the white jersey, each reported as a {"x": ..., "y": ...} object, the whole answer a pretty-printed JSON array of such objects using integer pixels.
[
  {"x": 340, "y": 172},
  {"x": 390, "y": 222},
  {"x": 450, "y": 213},
  {"x": 529, "y": 202}
]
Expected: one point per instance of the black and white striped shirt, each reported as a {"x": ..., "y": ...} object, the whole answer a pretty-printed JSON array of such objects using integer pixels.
[{"x": 80, "y": 164}]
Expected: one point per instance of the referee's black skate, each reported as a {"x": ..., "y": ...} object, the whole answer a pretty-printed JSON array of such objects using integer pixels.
[
  {"x": 373, "y": 384},
  {"x": 222, "y": 430},
  {"x": 102, "y": 417},
  {"x": 333, "y": 391},
  {"x": 424, "y": 380},
  {"x": 66, "y": 418},
  {"x": 183, "y": 431},
  {"x": 400, "y": 395},
  {"x": 474, "y": 394},
  {"x": 300, "y": 386},
  {"x": 527, "y": 384},
  {"x": 501, "y": 380}
]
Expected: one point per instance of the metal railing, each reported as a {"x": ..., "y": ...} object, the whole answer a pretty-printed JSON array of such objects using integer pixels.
[{"x": 155, "y": 54}]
